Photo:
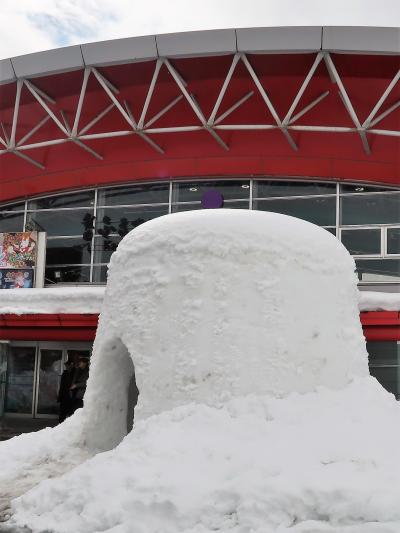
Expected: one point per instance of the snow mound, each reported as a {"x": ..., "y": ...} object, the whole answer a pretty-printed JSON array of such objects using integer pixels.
[
  {"x": 217, "y": 304},
  {"x": 326, "y": 461}
]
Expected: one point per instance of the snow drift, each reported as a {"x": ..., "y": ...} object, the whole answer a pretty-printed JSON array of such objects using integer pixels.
[{"x": 256, "y": 412}]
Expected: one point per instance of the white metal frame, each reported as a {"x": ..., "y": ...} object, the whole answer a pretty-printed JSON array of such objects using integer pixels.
[{"x": 145, "y": 128}]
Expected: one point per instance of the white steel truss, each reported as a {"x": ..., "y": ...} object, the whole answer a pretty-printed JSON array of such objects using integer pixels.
[{"x": 145, "y": 127}]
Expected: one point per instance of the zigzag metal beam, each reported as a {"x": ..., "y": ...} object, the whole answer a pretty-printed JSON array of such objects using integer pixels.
[{"x": 145, "y": 127}]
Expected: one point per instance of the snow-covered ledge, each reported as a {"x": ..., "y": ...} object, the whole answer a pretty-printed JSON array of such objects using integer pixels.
[{"x": 89, "y": 300}]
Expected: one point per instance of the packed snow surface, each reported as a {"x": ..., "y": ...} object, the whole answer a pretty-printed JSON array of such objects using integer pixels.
[
  {"x": 256, "y": 412},
  {"x": 90, "y": 300}
]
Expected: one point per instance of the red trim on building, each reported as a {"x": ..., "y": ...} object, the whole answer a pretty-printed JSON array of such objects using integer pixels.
[{"x": 377, "y": 326}]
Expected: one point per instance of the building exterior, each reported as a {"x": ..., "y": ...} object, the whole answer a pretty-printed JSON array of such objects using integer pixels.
[{"x": 98, "y": 138}]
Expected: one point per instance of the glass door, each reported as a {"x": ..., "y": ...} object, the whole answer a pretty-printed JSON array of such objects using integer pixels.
[
  {"x": 20, "y": 380},
  {"x": 50, "y": 361},
  {"x": 3, "y": 374}
]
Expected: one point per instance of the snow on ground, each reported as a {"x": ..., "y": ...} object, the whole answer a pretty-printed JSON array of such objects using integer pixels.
[
  {"x": 256, "y": 413},
  {"x": 326, "y": 461}
]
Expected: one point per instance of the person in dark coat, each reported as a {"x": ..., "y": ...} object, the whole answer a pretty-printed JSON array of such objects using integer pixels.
[
  {"x": 78, "y": 387},
  {"x": 64, "y": 396}
]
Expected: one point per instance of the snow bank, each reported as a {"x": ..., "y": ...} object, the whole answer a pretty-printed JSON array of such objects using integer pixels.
[
  {"x": 326, "y": 461},
  {"x": 54, "y": 300},
  {"x": 379, "y": 301}
]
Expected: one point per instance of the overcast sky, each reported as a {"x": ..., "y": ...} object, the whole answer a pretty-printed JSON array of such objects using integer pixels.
[{"x": 33, "y": 25}]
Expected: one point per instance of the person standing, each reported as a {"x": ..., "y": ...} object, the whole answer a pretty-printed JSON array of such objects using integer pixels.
[
  {"x": 78, "y": 386},
  {"x": 64, "y": 396}
]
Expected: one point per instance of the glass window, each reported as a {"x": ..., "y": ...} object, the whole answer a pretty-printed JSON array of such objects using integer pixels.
[
  {"x": 227, "y": 205},
  {"x": 79, "y": 199},
  {"x": 320, "y": 211},
  {"x": 193, "y": 191},
  {"x": 13, "y": 207},
  {"x": 100, "y": 273},
  {"x": 384, "y": 364},
  {"x": 67, "y": 251},
  {"x": 19, "y": 386},
  {"x": 331, "y": 230},
  {"x": 59, "y": 223},
  {"x": 393, "y": 240},
  {"x": 67, "y": 274},
  {"x": 370, "y": 209},
  {"x": 362, "y": 241},
  {"x": 104, "y": 247},
  {"x": 265, "y": 189},
  {"x": 378, "y": 270},
  {"x": 10, "y": 222},
  {"x": 121, "y": 220},
  {"x": 139, "y": 194},
  {"x": 359, "y": 188}
]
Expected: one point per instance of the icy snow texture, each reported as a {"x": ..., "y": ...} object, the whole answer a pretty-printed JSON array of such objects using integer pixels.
[
  {"x": 321, "y": 462},
  {"x": 217, "y": 304},
  {"x": 234, "y": 320}
]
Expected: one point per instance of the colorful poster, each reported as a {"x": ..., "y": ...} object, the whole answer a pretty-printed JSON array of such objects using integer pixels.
[
  {"x": 18, "y": 250},
  {"x": 16, "y": 278}
]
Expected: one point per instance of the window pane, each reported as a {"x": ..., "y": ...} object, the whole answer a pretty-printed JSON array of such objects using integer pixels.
[
  {"x": 388, "y": 378},
  {"x": 74, "y": 222},
  {"x": 320, "y": 211},
  {"x": 104, "y": 247},
  {"x": 79, "y": 199},
  {"x": 383, "y": 353},
  {"x": 362, "y": 241},
  {"x": 331, "y": 230},
  {"x": 67, "y": 251},
  {"x": 393, "y": 241},
  {"x": 100, "y": 273},
  {"x": 10, "y": 222},
  {"x": 19, "y": 386},
  {"x": 67, "y": 274},
  {"x": 359, "y": 187},
  {"x": 121, "y": 220},
  {"x": 242, "y": 204},
  {"x": 371, "y": 209},
  {"x": 265, "y": 189},
  {"x": 13, "y": 207},
  {"x": 139, "y": 194},
  {"x": 193, "y": 191},
  {"x": 378, "y": 269}
]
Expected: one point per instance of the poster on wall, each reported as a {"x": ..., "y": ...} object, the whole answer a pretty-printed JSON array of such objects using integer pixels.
[
  {"x": 18, "y": 250},
  {"x": 16, "y": 278},
  {"x": 17, "y": 259}
]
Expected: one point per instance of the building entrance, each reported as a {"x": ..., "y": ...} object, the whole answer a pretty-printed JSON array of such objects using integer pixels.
[{"x": 31, "y": 372}]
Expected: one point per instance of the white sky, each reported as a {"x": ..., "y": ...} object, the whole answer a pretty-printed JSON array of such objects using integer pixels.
[{"x": 32, "y": 25}]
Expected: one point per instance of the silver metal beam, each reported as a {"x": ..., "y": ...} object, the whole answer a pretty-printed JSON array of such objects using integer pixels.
[
  {"x": 381, "y": 100},
  {"x": 44, "y": 95},
  {"x": 45, "y": 106},
  {"x": 43, "y": 144},
  {"x": 140, "y": 133},
  {"x": 267, "y": 100},
  {"x": 347, "y": 103},
  {"x": 233, "y": 107},
  {"x": 384, "y": 114},
  {"x": 303, "y": 87},
  {"x": 96, "y": 119},
  {"x": 174, "y": 129},
  {"x": 247, "y": 127},
  {"x": 164, "y": 110},
  {"x": 29, "y": 159},
  {"x": 16, "y": 111},
  {"x": 33, "y": 130},
  {"x": 110, "y": 93},
  {"x": 88, "y": 149},
  {"x": 308, "y": 107},
  {"x": 332, "y": 129},
  {"x": 389, "y": 133},
  {"x": 222, "y": 92},
  {"x": 194, "y": 105},
  {"x": 86, "y": 74},
  {"x": 6, "y": 136},
  {"x": 150, "y": 93}
]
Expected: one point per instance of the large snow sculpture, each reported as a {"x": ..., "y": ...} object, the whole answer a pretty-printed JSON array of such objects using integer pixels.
[{"x": 216, "y": 304}]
